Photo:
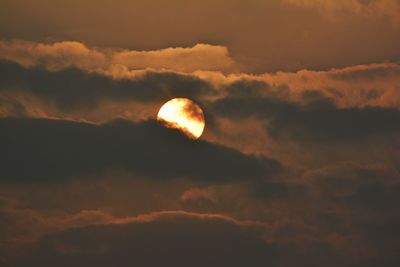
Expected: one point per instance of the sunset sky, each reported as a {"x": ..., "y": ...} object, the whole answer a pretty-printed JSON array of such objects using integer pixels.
[{"x": 298, "y": 164}]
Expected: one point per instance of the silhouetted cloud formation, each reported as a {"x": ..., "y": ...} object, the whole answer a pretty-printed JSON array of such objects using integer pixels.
[
  {"x": 72, "y": 89},
  {"x": 318, "y": 120},
  {"x": 178, "y": 240},
  {"x": 41, "y": 149},
  {"x": 181, "y": 238}
]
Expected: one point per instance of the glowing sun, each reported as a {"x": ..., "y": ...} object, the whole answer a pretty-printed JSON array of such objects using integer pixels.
[{"x": 184, "y": 115}]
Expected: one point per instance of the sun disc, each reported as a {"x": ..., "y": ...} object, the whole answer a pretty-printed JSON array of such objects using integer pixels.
[{"x": 184, "y": 115}]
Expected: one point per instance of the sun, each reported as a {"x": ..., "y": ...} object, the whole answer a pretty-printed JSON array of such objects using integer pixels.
[{"x": 183, "y": 114}]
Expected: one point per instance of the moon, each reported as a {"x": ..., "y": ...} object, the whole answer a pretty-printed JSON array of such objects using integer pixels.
[{"x": 183, "y": 114}]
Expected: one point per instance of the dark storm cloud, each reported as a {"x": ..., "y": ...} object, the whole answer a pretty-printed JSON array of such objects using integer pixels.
[
  {"x": 175, "y": 241},
  {"x": 40, "y": 149},
  {"x": 316, "y": 119},
  {"x": 73, "y": 89}
]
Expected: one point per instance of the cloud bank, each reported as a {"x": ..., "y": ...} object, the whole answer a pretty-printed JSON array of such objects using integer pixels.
[
  {"x": 295, "y": 168},
  {"x": 66, "y": 54}
]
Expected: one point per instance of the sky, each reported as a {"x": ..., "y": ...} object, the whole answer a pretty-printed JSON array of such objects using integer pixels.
[{"x": 298, "y": 164}]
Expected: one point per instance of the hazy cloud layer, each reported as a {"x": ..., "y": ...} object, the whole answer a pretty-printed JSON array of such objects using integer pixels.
[
  {"x": 262, "y": 35},
  {"x": 389, "y": 8}
]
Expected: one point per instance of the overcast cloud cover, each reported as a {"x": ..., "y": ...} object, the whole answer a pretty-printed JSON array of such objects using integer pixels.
[{"x": 298, "y": 164}]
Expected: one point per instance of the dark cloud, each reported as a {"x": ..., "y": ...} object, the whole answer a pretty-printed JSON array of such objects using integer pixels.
[
  {"x": 175, "y": 241},
  {"x": 41, "y": 149},
  {"x": 376, "y": 196},
  {"x": 181, "y": 239},
  {"x": 317, "y": 120},
  {"x": 194, "y": 111},
  {"x": 362, "y": 204},
  {"x": 350, "y": 210},
  {"x": 75, "y": 89},
  {"x": 247, "y": 88},
  {"x": 11, "y": 106},
  {"x": 365, "y": 189}
]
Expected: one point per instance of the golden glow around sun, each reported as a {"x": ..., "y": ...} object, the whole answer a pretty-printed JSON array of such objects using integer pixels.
[{"x": 183, "y": 114}]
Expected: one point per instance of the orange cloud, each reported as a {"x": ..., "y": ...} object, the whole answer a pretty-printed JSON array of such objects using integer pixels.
[
  {"x": 167, "y": 215},
  {"x": 56, "y": 56},
  {"x": 367, "y": 85},
  {"x": 354, "y": 86},
  {"x": 61, "y": 55},
  {"x": 198, "y": 57}
]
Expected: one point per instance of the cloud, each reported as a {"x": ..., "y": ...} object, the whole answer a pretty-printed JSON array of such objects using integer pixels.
[
  {"x": 298, "y": 165},
  {"x": 49, "y": 150},
  {"x": 352, "y": 86},
  {"x": 11, "y": 106},
  {"x": 198, "y": 57},
  {"x": 72, "y": 89},
  {"x": 363, "y": 205},
  {"x": 312, "y": 34},
  {"x": 56, "y": 56},
  {"x": 366, "y": 73},
  {"x": 67, "y": 54},
  {"x": 272, "y": 114},
  {"x": 317, "y": 120},
  {"x": 21, "y": 226},
  {"x": 339, "y": 104},
  {"x": 43, "y": 69},
  {"x": 176, "y": 238},
  {"x": 341, "y": 214},
  {"x": 61, "y": 93},
  {"x": 367, "y": 189}
]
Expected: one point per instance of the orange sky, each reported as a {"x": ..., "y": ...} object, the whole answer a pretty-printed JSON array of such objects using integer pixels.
[{"x": 297, "y": 165}]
